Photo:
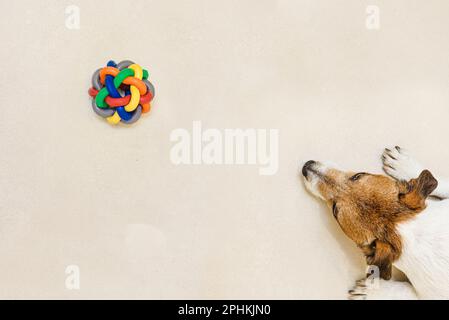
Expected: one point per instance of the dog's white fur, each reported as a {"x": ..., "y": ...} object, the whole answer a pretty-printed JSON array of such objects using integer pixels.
[
  {"x": 425, "y": 254},
  {"x": 425, "y": 238}
]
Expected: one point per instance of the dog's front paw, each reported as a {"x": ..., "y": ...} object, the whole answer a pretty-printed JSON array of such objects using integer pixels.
[
  {"x": 359, "y": 291},
  {"x": 398, "y": 164}
]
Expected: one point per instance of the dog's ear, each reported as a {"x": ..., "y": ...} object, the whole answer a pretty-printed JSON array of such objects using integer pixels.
[
  {"x": 383, "y": 258},
  {"x": 417, "y": 190}
]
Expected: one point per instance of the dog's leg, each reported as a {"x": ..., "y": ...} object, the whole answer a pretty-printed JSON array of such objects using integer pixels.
[
  {"x": 398, "y": 164},
  {"x": 382, "y": 290}
]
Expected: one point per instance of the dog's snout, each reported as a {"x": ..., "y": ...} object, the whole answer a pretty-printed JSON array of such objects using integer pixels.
[{"x": 307, "y": 166}]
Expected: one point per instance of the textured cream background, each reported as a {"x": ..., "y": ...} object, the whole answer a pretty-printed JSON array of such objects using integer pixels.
[{"x": 74, "y": 190}]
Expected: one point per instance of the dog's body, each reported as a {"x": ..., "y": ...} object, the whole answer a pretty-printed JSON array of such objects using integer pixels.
[
  {"x": 425, "y": 255},
  {"x": 392, "y": 223}
]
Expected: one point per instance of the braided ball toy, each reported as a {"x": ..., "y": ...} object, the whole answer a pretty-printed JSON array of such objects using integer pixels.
[{"x": 121, "y": 92}]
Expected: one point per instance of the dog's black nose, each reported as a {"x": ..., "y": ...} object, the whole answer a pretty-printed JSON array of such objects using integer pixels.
[{"x": 307, "y": 166}]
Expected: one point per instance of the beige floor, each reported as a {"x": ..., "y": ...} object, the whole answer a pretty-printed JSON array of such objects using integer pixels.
[{"x": 76, "y": 191}]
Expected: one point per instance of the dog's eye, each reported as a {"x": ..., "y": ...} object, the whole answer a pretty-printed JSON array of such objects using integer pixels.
[
  {"x": 335, "y": 210},
  {"x": 357, "y": 176}
]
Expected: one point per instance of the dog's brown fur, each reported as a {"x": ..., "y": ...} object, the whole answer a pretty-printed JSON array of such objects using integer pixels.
[{"x": 368, "y": 208}]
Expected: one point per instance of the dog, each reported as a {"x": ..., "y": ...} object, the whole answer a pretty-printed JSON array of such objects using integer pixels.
[{"x": 400, "y": 219}]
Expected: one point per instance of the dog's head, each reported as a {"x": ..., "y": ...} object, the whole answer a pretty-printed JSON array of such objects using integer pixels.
[{"x": 368, "y": 206}]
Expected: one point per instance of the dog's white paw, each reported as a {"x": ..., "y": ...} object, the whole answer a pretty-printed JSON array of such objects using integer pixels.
[
  {"x": 367, "y": 289},
  {"x": 379, "y": 289},
  {"x": 359, "y": 291},
  {"x": 398, "y": 164}
]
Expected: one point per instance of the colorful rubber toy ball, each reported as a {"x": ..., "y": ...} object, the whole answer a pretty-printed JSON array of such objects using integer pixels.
[{"x": 121, "y": 92}]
